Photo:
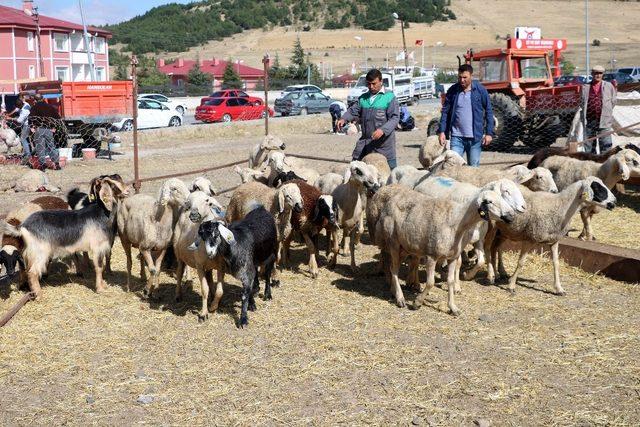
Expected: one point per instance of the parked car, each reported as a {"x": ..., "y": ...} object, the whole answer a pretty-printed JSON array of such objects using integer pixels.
[
  {"x": 622, "y": 82},
  {"x": 234, "y": 93},
  {"x": 300, "y": 88},
  {"x": 633, "y": 72},
  {"x": 571, "y": 80},
  {"x": 151, "y": 114},
  {"x": 302, "y": 103},
  {"x": 228, "y": 109},
  {"x": 174, "y": 105}
]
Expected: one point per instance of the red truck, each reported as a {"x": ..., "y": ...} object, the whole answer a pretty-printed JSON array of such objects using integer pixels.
[{"x": 86, "y": 108}]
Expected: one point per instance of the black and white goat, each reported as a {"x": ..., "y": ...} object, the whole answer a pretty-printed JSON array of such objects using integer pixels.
[
  {"x": 59, "y": 232},
  {"x": 79, "y": 199},
  {"x": 244, "y": 245}
]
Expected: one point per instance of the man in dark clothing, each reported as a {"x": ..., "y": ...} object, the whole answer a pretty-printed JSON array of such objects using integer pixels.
[
  {"x": 598, "y": 100},
  {"x": 378, "y": 113},
  {"x": 467, "y": 117},
  {"x": 43, "y": 120}
]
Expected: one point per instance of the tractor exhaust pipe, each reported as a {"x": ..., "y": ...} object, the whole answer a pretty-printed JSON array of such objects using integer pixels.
[{"x": 459, "y": 61}]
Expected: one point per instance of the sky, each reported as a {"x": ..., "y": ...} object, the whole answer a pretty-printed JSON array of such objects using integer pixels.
[{"x": 97, "y": 12}]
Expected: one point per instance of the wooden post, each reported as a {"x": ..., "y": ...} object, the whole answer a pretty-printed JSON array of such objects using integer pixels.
[
  {"x": 134, "y": 77},
  {"x": 265, "y": 62}
]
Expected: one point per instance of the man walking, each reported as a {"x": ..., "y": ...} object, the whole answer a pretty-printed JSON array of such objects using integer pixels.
[
  {"x": 43, "y": 121},
  {"x": 467, "y": 117},
  {"x": 378, "y": 113},
  {"x": 598, "y": 100},
  {"x": 23, "y": 123},
  {"x": 336, "y": 109}
]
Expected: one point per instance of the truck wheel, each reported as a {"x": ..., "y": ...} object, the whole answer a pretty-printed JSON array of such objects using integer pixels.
[
  {"x": 508, "y": 121},
  {"x": 432, "y": 128}
]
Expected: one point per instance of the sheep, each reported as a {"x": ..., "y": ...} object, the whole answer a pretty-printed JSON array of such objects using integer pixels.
[
  {"x": 259, "y": 154},
  {"x": 318, "y": 213},
  {"x": 244, "y": 246},
  {"x": 537, "y": 179},
  {"x": 9, "y": 138},
  {"x": 203, "y": 184},
  {"x": 421, "y": 226},
  {"x": 250, "y": 175},
  {"x": 546, "y": 221},
  {"x": 147, "y": 223},
  {"x": 279, "y": 163},
  {"x": 57, "y": 232},
  {"x": 199, "y": 207},
  {"x": 429, "y": 151},
  {"x": 350, "y": 198},
  {"x": 618, "y": 167},
  {"x": 448, "y": 159},
  {"x": 380, "y": 163},
  {"x": 280, "y": 202},
  {"x": 407, "y": 175},
  {"x": 31, "y": 182},
  {"x": 544, "y": 153},
  {"x": 10, "y": 251},
  {"x": 328, "y": 182},
  {"x": 41, "y": 203}
]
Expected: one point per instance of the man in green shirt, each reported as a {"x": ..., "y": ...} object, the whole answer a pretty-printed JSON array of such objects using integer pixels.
[{"x": 378, "y": 113}]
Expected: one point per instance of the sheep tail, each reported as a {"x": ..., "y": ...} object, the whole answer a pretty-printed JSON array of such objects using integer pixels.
[{"x": 9, "y": 230}]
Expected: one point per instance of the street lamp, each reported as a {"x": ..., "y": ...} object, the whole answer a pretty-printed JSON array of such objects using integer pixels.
[
  {"x": 364, "y": 47},
  {"x": 404, "y": 43},
  {"x": 435, "y": 46}
]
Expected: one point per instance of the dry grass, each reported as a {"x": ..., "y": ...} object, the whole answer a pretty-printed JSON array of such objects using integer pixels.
[{"x": 331, "y": 351}]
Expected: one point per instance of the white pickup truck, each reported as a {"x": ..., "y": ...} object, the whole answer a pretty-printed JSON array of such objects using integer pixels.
[{"x": 408, "y": 89}]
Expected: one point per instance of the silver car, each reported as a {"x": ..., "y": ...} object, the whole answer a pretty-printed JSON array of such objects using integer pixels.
[{"x": 302, "y": 103}]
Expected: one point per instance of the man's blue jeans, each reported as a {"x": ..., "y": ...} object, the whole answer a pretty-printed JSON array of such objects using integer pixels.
[{"x": 473, "y": 148}]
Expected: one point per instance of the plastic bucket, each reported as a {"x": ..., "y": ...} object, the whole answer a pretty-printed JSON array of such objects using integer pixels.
[
  {"x": 88, "y": 153},
  {"x": 115, "y": 145},
  {"x": 65, "y": 152}
]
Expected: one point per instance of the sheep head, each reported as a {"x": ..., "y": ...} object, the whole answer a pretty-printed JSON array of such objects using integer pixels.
[
  {"x": 538, "y": 179},
  {"x": 362, "y": 174},
  {"x": 201, "y": 207},
  {"x": 174, "y": 192},
  {"x": 213, "y": 234},
  {"x": 628, "y": 163},
  {"x": 271, "y": 142},
  {"x": 325, "y": 211},
  {"x": 289, "y": 197},
  {"x": 10, "y": 257},
  {"x": 594, "y": 192},
  {"x": 447, "y": 159},
  {"x": 509, "y": 192},
  {"x": 203, "y": 184},
  {"x": 276, "y": 161},
  {"x": 491, "y": 206}
]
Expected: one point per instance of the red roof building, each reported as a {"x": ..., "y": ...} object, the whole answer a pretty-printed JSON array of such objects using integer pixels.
[
  {"x": 60, "y": 56},
  {"x": 179, "y": 70}
]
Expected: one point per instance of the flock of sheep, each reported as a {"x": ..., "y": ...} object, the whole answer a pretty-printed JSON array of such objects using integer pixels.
[{"x": 446, "y": 215}]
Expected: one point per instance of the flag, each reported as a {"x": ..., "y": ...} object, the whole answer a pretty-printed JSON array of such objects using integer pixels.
[
  {"x": 419, "y": 42},
  {"x": 410, "y": 55},
  {"x": 400, "y": 56}
]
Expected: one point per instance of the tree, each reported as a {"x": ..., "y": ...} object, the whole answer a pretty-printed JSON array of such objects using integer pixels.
[
  {"x": 197, "y": 77},
  {"x": 298, "y": 60},
  {"x": 568, "y": 68},
  {"x": 230, "y": 78}
]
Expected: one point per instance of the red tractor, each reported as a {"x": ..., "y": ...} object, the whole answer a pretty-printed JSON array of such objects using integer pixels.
[{"x": 526, "y": 105}]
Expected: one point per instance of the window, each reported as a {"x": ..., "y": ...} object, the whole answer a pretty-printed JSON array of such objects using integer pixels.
[
  {"x": 243, "y": 94},
  {"x": 99, "y": 45},
  {"x": 77, "y": 42},
  {"x": 214, "y": 102},
  {"x": 61, "y": 42},
  {"x": 62, "y": 73},
  {"x": 100, "y": 74},
  {"x": 232, "y": 102},
  {"x": 32, "y": 71},
  {"x": 493, "y": 70},
  {"x": 30, "y": 42},
  {"x": 242, "y": 102}
]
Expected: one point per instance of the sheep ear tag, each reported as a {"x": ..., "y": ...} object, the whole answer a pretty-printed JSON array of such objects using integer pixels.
[
  {"x": 92, "y": 198},
  {"x": 226, "y": 233},
  {"x": 585, "y": 195}
]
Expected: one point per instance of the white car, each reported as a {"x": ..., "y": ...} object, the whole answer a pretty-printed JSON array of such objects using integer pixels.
[
  {"x": 178, "y": 106},
  {"x": 296, "y": 88},
  {"x": 151, "y": 114}
]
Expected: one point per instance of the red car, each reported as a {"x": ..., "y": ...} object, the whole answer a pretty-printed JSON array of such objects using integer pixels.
[
  {"x": 228, "y": 109},
  {"x": 234, "y": 93}
]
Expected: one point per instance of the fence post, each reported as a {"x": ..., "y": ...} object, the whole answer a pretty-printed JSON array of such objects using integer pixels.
[
  {"x": 265, "y": 62},
  {"x": 134, "y": 76}
]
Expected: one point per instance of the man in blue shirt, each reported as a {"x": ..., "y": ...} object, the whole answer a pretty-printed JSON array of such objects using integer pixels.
[{"x": 467, "y": 117}]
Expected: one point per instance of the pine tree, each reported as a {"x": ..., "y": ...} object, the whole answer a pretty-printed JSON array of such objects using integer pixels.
[
  {"x": 197, "y": 77},
  {"x": 230, "y": 78},
  {"x": 298, "y": 60}
]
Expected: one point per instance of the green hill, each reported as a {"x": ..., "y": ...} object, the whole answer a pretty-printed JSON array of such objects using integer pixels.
[{"x": 177, "y": 27}]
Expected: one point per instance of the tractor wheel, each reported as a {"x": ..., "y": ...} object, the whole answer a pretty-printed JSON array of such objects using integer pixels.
[
  {"x": 432, "y": 128},
  {"x": 508, "y": 121}
]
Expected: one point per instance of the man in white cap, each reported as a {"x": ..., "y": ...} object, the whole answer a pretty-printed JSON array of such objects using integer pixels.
[{"x": 598, "y": 100}]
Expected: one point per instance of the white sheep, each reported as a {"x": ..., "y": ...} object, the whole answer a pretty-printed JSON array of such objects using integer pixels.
[
  {"x": 250, "y": 175},
  {"x": 147, "y": 223},
  {"x": 280, "y": 164},
  {"x": 546, "y": 220},
  {"x": 198, "y": 208},
  {"x": 407, "y": 175},
  {"x": 8, "y": 137},
  {"x": 203, "y": 184},
  {"x": 430, "y": 150},
  {"x": 616, "y": 168},
  {"x": 259, "y": 154},
  {"x": 328, "y": 182},
  {"x": 435, "y": 228},
  {"x": 350, "y": 199},
  {"x": 380, "y": 163},
  {"x": 30, "y": 182},
  {"x": 448, "y": 159}
]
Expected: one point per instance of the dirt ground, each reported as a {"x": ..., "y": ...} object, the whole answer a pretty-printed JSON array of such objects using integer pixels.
[
  {"x": 334, "y": 350},
  {"x": 477, "y": 24}
]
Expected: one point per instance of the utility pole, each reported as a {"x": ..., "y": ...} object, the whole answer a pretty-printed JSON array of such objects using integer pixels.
[
  {"x": 404, "y": 47},
  {"x": 265, "y": 62},
  {"x": 586, "y": 36},
  {"x": 136, "y": 169},
  {"x": 92, "y": 70},
  {"x": 33, "y": 12}
]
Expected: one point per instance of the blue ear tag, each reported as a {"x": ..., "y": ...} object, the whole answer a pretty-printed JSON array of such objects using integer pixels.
[{"x": 445, "y": 182}]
